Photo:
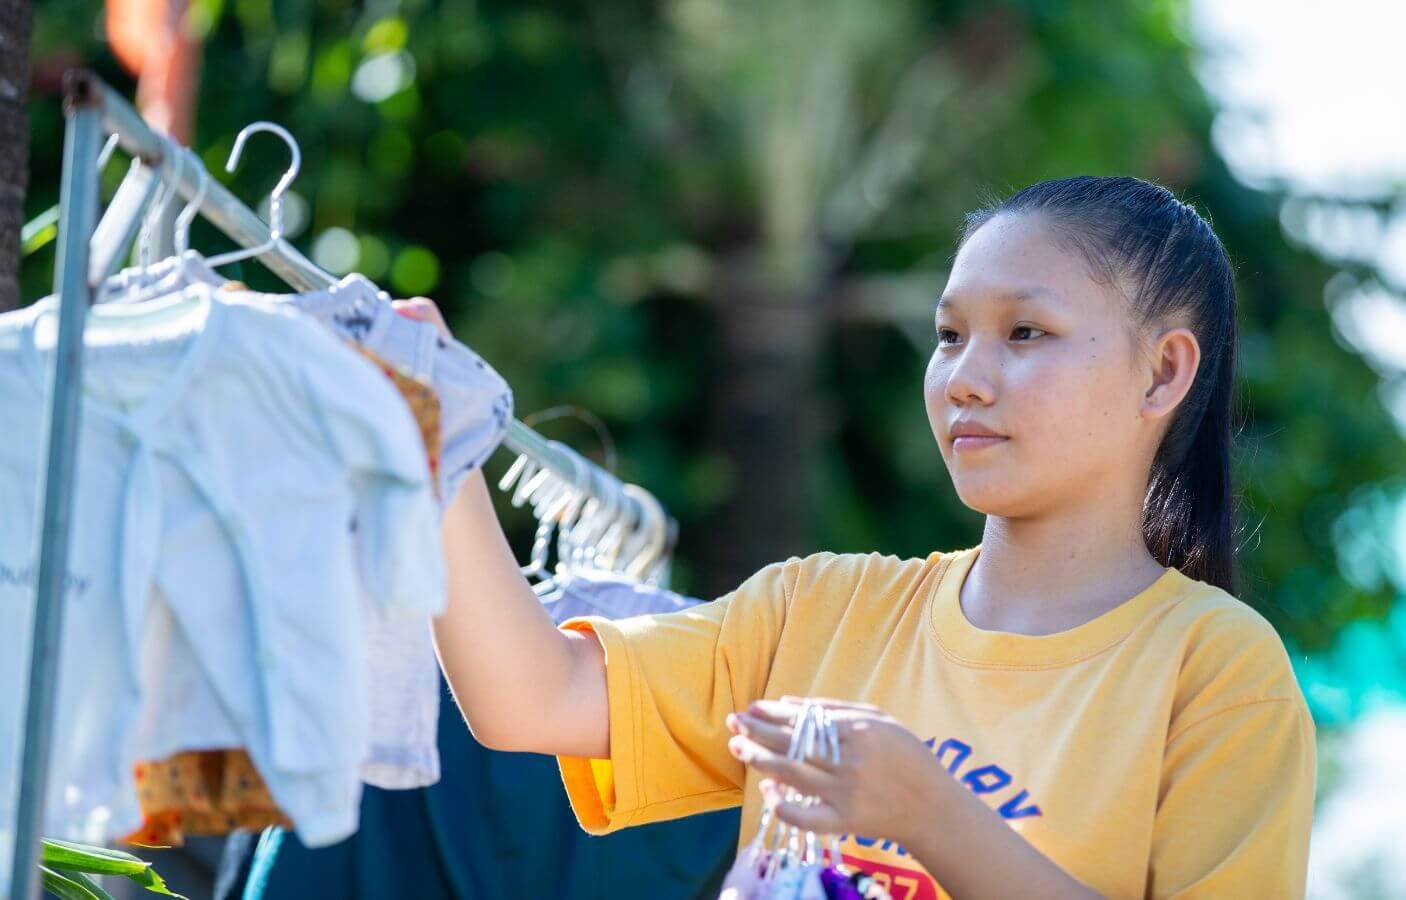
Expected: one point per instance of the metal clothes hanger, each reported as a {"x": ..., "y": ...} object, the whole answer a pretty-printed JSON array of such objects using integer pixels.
[
  {"x": 275, "y": 199},
  {"x": 121, "y": 221},
  {"x": 654, "y": 536},
  {"x": 181, "y": 238},
  {"x": 554, "y": 502},
  {"x": 179, "y": 271},
  {"x": 166, "y": 192},
  {"x": 143, "y": 283},
  {"x": 569, "y": 516},
  {"x": 625, "y": 532}
]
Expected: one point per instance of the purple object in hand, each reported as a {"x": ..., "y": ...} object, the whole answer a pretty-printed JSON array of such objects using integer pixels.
[{"x": 838, "y": 886}]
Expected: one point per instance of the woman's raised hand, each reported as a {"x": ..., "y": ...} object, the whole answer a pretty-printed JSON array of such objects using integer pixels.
[{"x": 422, "y": 309}]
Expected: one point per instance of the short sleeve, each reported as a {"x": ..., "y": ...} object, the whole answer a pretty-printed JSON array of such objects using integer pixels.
[
  {"x": 1236, "y": 804},
  {"x": 371, "y": 431},
  {"x": 671, "y": 681}
]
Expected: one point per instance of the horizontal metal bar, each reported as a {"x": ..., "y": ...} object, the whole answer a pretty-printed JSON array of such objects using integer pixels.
[{"x": 229, "y": 214}]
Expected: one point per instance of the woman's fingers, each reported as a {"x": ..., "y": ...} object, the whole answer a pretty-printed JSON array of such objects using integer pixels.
[
  {"x": 803, "y": 776},
  {"x": 422, "y": 309},
  {"x": 820, "y": 818},
  {"x": 813, "y": 815},
  {"x": 828, "y": 703},
  {"x": 772, "y": 736},
  {"x": 776, "y": 738},
  {"x": 778, "y": 711},
  {"x": 786, "y": 709}
]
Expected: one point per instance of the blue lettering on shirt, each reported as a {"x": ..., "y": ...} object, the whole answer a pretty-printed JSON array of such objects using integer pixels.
[{"x": 985, "y": 779}]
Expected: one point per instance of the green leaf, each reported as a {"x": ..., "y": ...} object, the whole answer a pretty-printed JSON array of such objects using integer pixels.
[
  {"x": 86, "y": 858},
  {"x": 71, "y": 885},
  {"x": 153, "y": 883},
  {"x": 74, "y": 858}
]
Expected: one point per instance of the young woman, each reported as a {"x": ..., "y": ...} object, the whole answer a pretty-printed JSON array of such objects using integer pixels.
[{"x": 1078, "y": 707}]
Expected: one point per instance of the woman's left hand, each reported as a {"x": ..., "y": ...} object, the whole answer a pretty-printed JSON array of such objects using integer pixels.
[{"x": 879, "y": 788}]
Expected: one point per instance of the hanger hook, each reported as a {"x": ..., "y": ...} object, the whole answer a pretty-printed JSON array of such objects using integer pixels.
[
  {"x": 276, "y": 199},
  {"x": 166, "y": 191},
  {"x": 187, "y": 216}
]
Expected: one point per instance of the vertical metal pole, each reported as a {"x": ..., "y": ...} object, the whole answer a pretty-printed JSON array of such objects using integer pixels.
[{"x": 78, "y": 205}]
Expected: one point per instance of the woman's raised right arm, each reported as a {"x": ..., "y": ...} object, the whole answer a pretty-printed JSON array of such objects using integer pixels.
[{"x": 520, "y": 683}]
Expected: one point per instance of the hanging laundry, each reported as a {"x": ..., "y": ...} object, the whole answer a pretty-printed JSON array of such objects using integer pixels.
[
  {"x": 402, "y": 669},
  {"x": 476, "y": 403},
  {"x": 419, "y": 397},
  {"x": 609, "y": 594},
  {"x": 225, "y": 446},
  {"x": 403, "y": 674},
  {"x": 208, "y": 792}
]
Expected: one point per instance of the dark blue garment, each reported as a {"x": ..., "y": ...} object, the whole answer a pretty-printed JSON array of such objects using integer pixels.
[{"x": 497, "y": 825}]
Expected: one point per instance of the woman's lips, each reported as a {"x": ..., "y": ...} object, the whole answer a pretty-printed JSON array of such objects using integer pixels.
[{"x": 970, "y": 443}]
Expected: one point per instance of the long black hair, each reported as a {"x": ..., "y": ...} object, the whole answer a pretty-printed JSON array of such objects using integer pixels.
[{"x": 1172, "y": 266}]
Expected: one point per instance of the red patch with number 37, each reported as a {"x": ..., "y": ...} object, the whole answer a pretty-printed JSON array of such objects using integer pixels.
[{"x": 901, "y": 883}]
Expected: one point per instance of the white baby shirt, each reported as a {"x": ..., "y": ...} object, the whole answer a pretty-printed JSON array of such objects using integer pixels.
[{"x": 225, "y": 446}]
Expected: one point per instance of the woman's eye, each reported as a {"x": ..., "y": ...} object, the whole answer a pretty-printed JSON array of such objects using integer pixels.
[
  {"x": 1026, "y": 333},
  {"x": 947, "y": 337}
]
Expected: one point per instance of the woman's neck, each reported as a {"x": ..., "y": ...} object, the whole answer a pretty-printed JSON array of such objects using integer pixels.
[{"x": 1049, "y": 574}]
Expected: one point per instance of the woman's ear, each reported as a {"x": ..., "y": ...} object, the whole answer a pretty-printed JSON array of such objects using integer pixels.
[{"x": 1175, "y": 356}]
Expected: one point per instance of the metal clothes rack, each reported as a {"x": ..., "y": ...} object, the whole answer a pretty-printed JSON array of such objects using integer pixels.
[{"x": 93, "y": 109}]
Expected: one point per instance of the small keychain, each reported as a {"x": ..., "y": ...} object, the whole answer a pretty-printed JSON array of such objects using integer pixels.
[{"x": 782, "y": 862}]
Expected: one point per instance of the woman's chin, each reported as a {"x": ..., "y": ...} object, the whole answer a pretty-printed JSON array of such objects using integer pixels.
[{"x": 991, "y": 497}]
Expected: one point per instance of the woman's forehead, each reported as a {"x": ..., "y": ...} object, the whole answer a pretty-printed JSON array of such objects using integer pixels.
[
  {"x": 991, "y": 291},
  {"x": 1019, "y": 259}
]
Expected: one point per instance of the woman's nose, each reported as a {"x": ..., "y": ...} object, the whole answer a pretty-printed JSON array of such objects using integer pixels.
[{"x": 972, "y": 377}]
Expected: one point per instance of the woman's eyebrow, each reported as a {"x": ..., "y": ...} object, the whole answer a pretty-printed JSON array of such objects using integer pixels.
[{"x": 947, "y": 301}]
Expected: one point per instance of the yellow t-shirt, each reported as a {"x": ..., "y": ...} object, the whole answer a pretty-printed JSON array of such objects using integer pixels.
[{"x": 1162, "y": 749}]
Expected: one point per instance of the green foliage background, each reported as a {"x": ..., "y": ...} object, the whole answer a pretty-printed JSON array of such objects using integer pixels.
[{"x": 608, "y": 196}]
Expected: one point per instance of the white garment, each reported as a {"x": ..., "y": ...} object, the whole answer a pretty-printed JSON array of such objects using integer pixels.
[
  {"x": 225, "y": 446},
  {"x": 475, "y": 407},
  {"x": 403, "y": 705},
  {"x": 610, "y": 595},
  {"x": 476, "y": 404}
]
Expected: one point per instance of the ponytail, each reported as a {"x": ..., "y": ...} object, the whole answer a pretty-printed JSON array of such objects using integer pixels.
[
  {"x": 1174, "y": 267},
  {"x": 1187, "y": 517}
]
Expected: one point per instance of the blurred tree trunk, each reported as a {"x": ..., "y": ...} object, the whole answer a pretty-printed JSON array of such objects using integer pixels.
[
  {"x": 14, "y": 142},
  {"x": 764, "y": 423},
  {"x": 831, "y": 112}
]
